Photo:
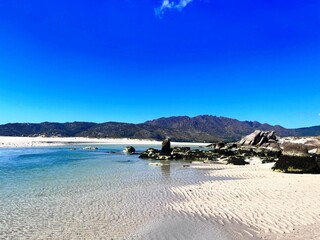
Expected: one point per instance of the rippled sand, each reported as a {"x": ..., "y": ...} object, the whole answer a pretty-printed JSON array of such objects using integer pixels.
[
  {"x": 270, "y": 205},
  {"x": 111, "y": 197},
  {"x": 122, "y": 197}
]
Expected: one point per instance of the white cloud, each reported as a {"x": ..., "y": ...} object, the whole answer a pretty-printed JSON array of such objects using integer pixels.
[
  {"x": 169, "y": 4},
  {"x": 319, "y": 114}
]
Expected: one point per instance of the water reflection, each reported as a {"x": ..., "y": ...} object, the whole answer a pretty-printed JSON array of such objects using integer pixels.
[{"x": 165, "y": 169}]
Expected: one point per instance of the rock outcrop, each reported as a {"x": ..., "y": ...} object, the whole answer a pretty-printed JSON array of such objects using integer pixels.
[
  {"x": 166, "y": 147},
  {"x": 296, "y": 159},
  {"x": 257, "y": 138},
  {"x": 258, "y": 147},
  {"x": 297, "y": 164},
  {"x": 294, "y": 149}
]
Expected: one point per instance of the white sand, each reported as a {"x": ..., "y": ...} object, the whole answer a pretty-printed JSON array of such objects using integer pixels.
[
  {"x": 302, "y": 140},
  {"x": 57, "y": 141},
  {"x": 256, "y": 204},
  {"x": 271, "y": 205}
]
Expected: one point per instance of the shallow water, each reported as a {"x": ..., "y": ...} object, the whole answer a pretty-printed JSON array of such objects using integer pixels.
[{"x": 58, "y": 193}]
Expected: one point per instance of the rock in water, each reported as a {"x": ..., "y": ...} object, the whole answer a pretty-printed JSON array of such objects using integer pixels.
[
  {"x": 129, "y": 149},
  {"x": 166, "y": 147},
  {"x": 90, "y": 148},
  {"x": 150, "y": 153}
]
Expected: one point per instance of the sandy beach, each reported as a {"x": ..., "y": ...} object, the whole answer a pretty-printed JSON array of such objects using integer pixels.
[
  {"x": 244, "y": 202},
  {"x": 265, "y": 204},
  {"x": 8, "y": 142}
]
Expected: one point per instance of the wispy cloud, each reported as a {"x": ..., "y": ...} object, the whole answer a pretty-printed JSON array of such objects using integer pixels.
[{"x": 169, "y": 4}]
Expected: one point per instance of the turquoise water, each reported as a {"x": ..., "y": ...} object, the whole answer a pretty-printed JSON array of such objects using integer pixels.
[{"x": 60, "y": 193}]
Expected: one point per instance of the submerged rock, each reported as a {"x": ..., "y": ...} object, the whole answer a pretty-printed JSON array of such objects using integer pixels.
[{"x": 90, "y": 148}]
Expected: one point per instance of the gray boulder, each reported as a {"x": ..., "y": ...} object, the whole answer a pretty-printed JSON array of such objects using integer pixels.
[
  {"x": 294, "y": 149},
  {"x": 258, "y": 138}
]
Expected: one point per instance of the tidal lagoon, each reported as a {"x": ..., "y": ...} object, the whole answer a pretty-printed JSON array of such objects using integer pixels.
[{"x": 70, "y": 193}]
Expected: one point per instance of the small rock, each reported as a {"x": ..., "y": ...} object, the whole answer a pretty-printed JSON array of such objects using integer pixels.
[
  {"x": 129, "y": 149},
  {"x": 90, "y": 148}
]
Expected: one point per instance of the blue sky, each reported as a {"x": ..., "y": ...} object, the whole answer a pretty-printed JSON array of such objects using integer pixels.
[{"x": 136, "y": 60}]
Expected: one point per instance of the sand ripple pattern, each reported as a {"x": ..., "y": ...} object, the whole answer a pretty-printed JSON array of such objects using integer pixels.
[
  {"x": 106, "y": 197},
  {"x": 269, "y": 204},
  {"x": 122, "y": 197}
]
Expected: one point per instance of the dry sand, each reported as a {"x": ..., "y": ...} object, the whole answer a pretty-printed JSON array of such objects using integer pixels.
[
  {"x": 265, "y": 204},
  {"x": 8, "y": 142},
  {"x": 57, "y": 141}
]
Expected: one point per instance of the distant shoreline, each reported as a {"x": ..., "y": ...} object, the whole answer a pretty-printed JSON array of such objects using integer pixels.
[{"x": 14, "y": 142}]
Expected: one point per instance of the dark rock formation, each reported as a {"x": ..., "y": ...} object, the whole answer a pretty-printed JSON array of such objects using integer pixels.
[
  {"x": 129, "y": 149},
  {"x": 166, "y": 147},
  {"x": 295, "y": 159},
  {"x": 236, "y": 160},
  {"x": 180, "y": 150},
  {"x": 317, "y": 157},
  {"x": 220, "y": 145},
  {"x": 297, "y": 164},
  {"x": 150, "y": 153},
  {"x": 200, "y": 155}
]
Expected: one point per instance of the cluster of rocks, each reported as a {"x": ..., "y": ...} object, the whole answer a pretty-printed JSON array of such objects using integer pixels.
[
  {"x": 264, "y": 145},
  {"x": 230, "y": 153}
]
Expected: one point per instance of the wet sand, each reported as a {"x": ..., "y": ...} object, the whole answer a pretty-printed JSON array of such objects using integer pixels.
[{"x": 89, "y": 200}]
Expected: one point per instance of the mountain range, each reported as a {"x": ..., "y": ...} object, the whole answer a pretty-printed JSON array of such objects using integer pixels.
[{"x": 203, "y": 128}]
